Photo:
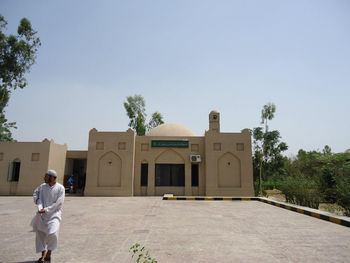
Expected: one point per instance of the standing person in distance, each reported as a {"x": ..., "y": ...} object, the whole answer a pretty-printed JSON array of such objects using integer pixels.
[{"x": 71, "y": 184}]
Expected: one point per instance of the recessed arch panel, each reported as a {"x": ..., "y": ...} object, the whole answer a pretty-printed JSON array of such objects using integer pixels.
[
  {"x": 170, "y": 156},
  {"x": 109, "y": 170},
  {"x": 229, "y": 171}
]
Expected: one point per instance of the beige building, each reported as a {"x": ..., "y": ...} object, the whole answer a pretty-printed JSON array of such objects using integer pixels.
[
  {"x": 23, "y": 165},
  {"x": 170, "y": 159}
]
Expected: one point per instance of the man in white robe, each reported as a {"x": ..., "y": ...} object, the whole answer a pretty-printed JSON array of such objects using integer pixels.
[
  {"x": 50, "y": 201},
  {"x": 37, "y": 217}
]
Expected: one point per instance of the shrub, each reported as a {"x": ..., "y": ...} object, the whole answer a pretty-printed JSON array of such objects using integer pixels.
[
  {"x": 256, "y": 188},
  {"x": 343, "y": 193},
  {"x": 301, "y": 190},
  {"x": 268, "y": 185}
]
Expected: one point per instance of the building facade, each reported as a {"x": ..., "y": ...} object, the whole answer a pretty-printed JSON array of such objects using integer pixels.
[{"x": 170, "y": 159}]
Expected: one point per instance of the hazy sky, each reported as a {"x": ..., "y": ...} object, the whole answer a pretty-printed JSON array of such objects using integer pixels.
[{"x": 186, "y": 58}]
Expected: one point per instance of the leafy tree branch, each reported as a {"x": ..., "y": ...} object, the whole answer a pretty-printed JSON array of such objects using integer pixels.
[
  {"x": 135, "y": 107},
  {"x": 17, "y": 55}
]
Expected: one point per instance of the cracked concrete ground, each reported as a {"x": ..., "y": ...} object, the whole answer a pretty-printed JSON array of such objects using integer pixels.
[{"x": 102, "y": 229}]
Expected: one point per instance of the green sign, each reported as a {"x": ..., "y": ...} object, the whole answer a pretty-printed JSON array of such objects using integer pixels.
[{"x": 170, "y": 144}]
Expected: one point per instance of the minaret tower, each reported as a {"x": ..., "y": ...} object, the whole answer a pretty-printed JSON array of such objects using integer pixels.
[{"x": 214, "y": 121}]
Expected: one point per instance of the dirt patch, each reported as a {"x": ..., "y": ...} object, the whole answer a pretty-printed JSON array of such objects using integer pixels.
[
  {"x": 275, "y": 195},
  {"x": 332, "y": 208}
]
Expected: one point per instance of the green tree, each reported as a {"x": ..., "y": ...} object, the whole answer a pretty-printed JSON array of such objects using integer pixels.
[
  {"x": 156, "y": 120},
  {"x": 135, "y": 107},
  {"x": 267, "y": 148},
  {"x": 327, "y": 150},
  {"x": 323, "y": 167},
  {"x": 5, "y": 128},
  {"x": 318, "y": 176},
  {"x": 342, "y": 188},
  {"x": 274, "y": 160},
  {"x": 267, "y": 113},
  {"x": 17, "y": 55}
]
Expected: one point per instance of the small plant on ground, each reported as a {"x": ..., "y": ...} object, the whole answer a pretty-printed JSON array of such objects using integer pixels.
[{"x": 141, "y": 255}]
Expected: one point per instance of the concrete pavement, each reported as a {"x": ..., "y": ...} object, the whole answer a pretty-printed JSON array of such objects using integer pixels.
[{"x": 102, "y": 229}]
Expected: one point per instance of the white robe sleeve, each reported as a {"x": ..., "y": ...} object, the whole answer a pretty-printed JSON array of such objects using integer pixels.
[
  {"x": 58, "y": 204},
  {"x": 39, "y": 201},
  {"x": 36, "y": 194}
]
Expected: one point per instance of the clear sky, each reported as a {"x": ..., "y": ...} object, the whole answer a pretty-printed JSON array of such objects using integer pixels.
[{"x": 186, "y": 58}]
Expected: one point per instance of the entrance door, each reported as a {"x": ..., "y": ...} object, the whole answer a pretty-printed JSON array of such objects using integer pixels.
[
  {"x": 170, "y": 175},
  {"x": 144, "y": 178},
  {"x": 77, "y": 167}
]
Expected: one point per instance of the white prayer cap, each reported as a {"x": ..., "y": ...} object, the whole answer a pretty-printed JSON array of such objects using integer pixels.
[{"x": 52, "y": 173}]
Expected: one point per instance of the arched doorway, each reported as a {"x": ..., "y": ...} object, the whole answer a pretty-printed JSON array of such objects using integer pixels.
[
  {"x": 169, "y": 173},
  {"x": 14, "y": 170},
  {"x": 13, "y": 175}
]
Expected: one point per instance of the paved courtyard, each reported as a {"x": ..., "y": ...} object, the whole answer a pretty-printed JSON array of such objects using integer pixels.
[{"x": 102, "y": 229}]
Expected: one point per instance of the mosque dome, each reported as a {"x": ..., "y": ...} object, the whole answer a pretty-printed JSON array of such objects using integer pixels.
[{"x": 170, "y": 129}]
